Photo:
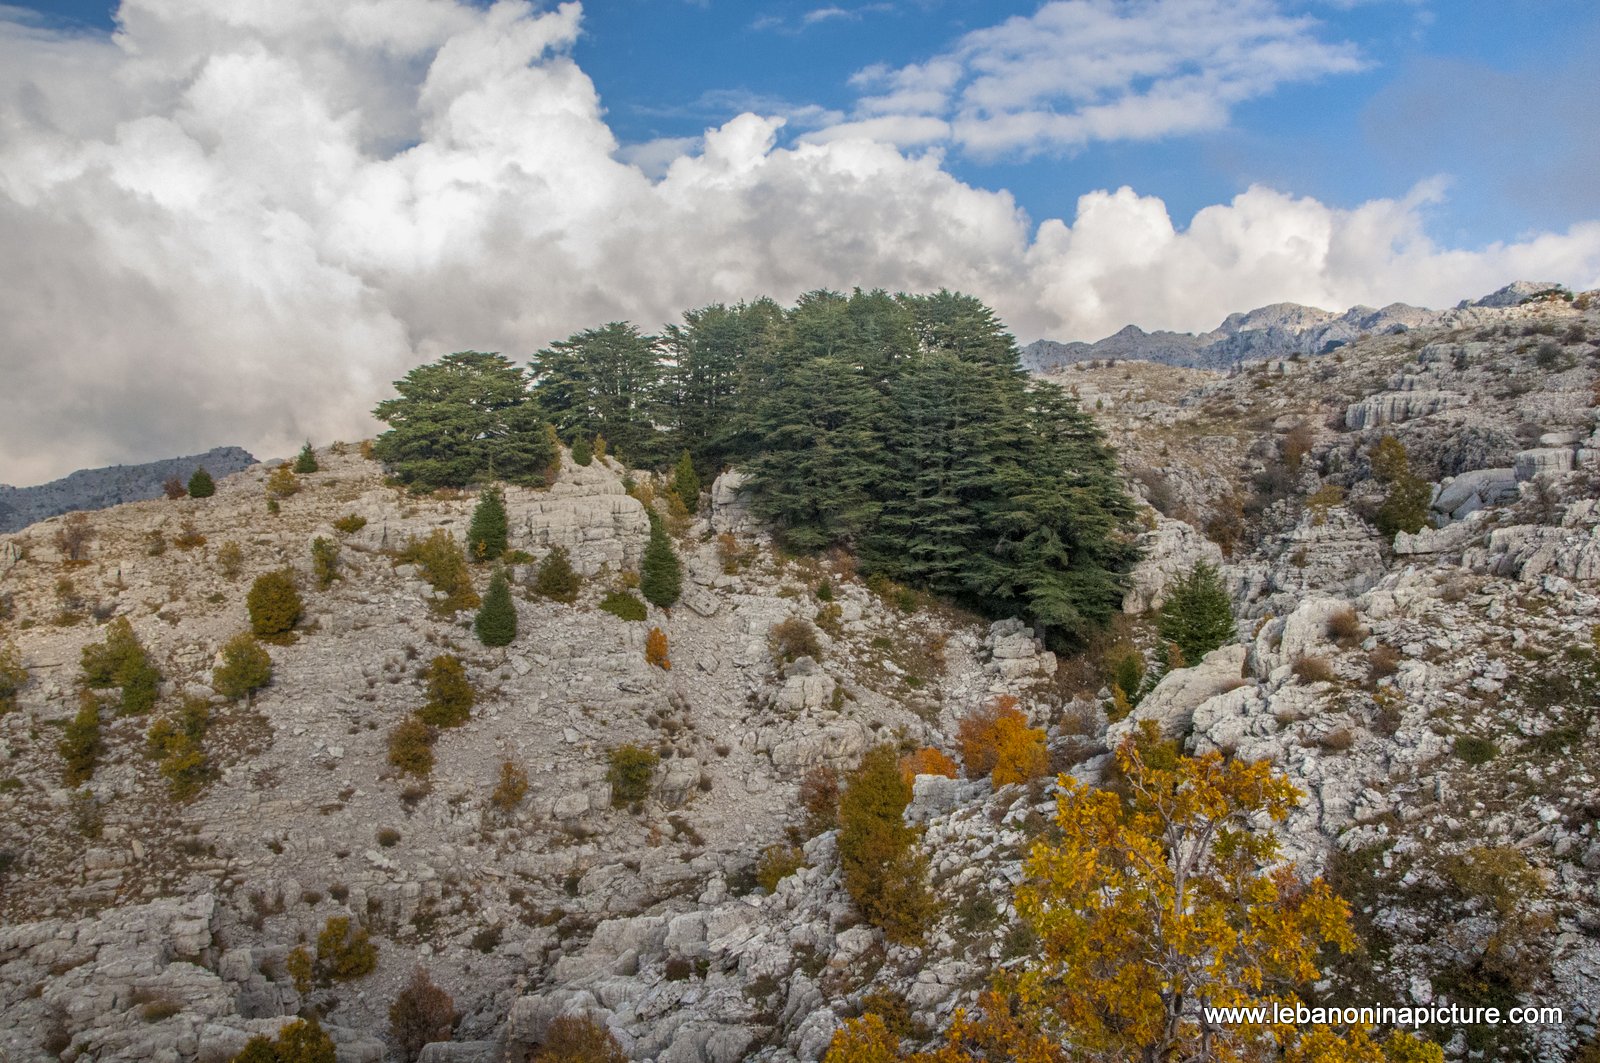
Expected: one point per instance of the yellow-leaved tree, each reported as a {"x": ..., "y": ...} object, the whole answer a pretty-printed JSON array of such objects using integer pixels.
[{"x": 1157, "y": 903}]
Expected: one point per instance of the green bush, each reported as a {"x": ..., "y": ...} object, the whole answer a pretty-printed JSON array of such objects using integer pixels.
[
  {"x": 623, "y": 604},
  {"x": 1197, "y": 616},
  {"x": 201, "y": 485},
  {"x": 275, "y": 606},
  {"x": 496, "y": 622},
  {"x": 121, "y": 661},
  {"x": 794, "y": 638},
  {"x": 350, "y": 524},
  {"x": 632, "y": 770},
  {"x": 246, "y": 666},
  {"x": 661, "y": 576},
  {"x": 325, "y": 561},
  {"x": 444, "y": 566},
  {"x": 556, "y": 578},
  {"x": 80, "y": 743},
  {"x": 344, "y": 952},
  {"x": 306, "y": 460},
  {"x": 411, "y": 747},
  {"x": 1405, "y": 507},
  {"x": 486, "y": 535},
  {"x": 450, "y": 693},
  {"x": 884, "y": 872},
  {"x": 1475, "y": 750},
  {"x": 582, "y": 453}
]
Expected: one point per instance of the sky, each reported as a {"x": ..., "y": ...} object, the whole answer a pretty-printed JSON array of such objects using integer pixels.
[{"x": 237, "y": 221}]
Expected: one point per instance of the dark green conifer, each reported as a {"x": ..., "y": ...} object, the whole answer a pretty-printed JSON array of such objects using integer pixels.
[
  {"x": 487, "y": 535},
  {"x": 201, "y": 485},
  {"x": 582, "y": 452},
  {"x": 496, "y": 622},
  {"x": 1197, "y": 616},
  {"x": 686, "y": 482},
  {"x": 557, "y": 579},
  {"x": 306, "y": 460},
  {"x": 661, "y": 578}
]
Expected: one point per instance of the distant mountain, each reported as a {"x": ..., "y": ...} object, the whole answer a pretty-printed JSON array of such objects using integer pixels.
[
  {"x": 111, "y": 486},
  {"x": 1275, "y": 331}
]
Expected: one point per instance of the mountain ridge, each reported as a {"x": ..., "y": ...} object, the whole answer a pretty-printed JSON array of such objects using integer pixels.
[{"x": 1276, "y": 330}]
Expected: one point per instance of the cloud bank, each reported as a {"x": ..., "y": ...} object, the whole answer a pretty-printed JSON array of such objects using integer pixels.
[{"x": 238, "y": 223}]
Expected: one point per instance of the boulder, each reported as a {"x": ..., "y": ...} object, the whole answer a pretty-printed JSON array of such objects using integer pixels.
[{"x": 1171, "y": 705}]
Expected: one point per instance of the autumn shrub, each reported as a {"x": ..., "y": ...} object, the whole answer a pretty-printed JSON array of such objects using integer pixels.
[
  {"x": 511, "y": 788},
  {"x": 927, "y": 761},
  {"x": 556, "y": 579},
  {"x": 623, "y": 605},
  {"x": 246, "y": 666},
  {"x": 275, "y": 606},
  {"x": 450, "y": 693},
  {"x": 655, "y": 650},
  {"x": 301, "y": 1041},
  {"x": 996, "y": 741},
  {"x": 282, "y": 482},
  {"x": 443, "y": 564},
  {"x": 819, "y": 799},
  {"x": 80, "y": 744},
  {"x": 1382, "y": 662},
  {"x": 794, "y": 638},
  {"x": 188, "y": 537},
  {"x": 73, "y": 537},
  {"x": 173, "y": 488},
  {"x": 302, "y": 968},
  {"x": 1309, "y": 669},
  {"x": 1344, "y": 628},
  {"x": 578, "y": 1039},
  {"x": 324, "y": 561},
  {"x": 350, "y": 523},
  {"x": 777, "y": 863},
  {"x": 345, "y": 952},
  {"x": 230, "y": 559},
  {"x": 411, "y": 746},
  {"x": 421, "y": 1014},
  {"x": 631, "y": 772},
  {"x": 884, "y": 871},
  {"x": 186, "y": 768}
]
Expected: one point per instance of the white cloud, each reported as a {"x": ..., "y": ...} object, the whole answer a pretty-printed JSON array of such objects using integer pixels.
[
  {"x": 239, "y": 223},
  {"x": 1078, "y": 71}
]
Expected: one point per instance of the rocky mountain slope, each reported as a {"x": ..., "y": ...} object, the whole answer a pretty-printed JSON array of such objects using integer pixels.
[
  {"x": 1277, "y": 331},
  {"x": 1432, "y": 694},
  {"x": 89, "y": 489}
]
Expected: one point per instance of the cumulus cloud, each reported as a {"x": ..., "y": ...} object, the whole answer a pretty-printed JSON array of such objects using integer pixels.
[
  {"x": 239, "y": 223},
  {"x": 1078, "y": 71}
]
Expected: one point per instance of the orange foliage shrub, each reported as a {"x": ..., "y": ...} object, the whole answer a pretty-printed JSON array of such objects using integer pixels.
[
  {"x": 655, "y": 649},
  {"x": 996, "y": 741},
  {"x": 926, "y": 761}
]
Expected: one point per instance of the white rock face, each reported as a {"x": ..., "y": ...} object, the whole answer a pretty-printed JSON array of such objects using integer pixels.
[
  {"x": 588, "y": 512},
  {"x": 1172, "y": 704},
  {"x": 1543, "y": 461},
  {"x": 1472, "y": 491},
  {"x": 1375, "y": 411},
  {"x": 1171, "y": 549},
  {"x": 731, "y": 504}
]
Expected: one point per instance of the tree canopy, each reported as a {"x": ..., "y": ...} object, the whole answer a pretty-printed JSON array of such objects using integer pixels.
[
  {"x": 896, "y": 426},
  {"x": 466, "y": 418}
]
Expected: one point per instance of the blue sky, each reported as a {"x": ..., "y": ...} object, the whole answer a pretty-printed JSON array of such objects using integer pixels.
[{"x": 1494, "y": 97}]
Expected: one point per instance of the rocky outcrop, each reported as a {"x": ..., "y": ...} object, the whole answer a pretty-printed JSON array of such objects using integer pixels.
[
  {"x": 1171, "y": 705},
  {"x": 1375, "y": 411},
  {"x": 1475, "y": 490},
  {"x": 1168, "y": 552},
  {"x": 731, "y": 504}
]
